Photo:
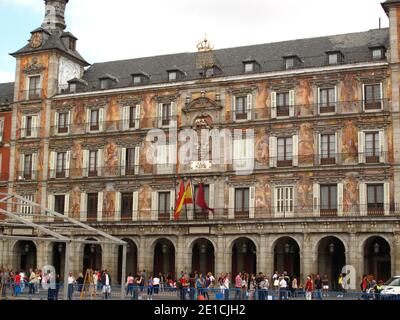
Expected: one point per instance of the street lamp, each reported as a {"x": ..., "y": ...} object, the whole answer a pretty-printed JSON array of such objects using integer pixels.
[
  {"x": 203, "y": 248},
  {"x": 164, "y": 248},
  {"x": 26, "y": 248},
  {"x": 376, "y": 248},
  {"x": 92, "y": 248},
  {"x": 244, "y": 248},
  {"x": 331, "y": 248},
  {"x": 287, "y": 248},
  {"x": 60, "y": 248}
]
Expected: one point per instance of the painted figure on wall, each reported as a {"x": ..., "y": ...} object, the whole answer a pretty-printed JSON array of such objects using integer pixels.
[
  {"x": 77, "y": 154},
  {"x": 305, "y": 193},
  {"x": 111, "y": 159},
  {"x": 76, "y": 202},
  {"x": 349, "y": 97},
  {"x": 145, "y": 200},
  {"x": 350, "y": 143},
  {"x": 350, "y": 194},
  {"x": 146, "y": 157},
  {"x": 149, "y": 112},
  {"x": 261, "y": 148},
  {"x": 112, "y": 115},
  {"x": 306, "y": 144},
  {"x": 304, "y": 98},
  {"x": 109, "y": 204},
  {"x": 263, "y": 197}
]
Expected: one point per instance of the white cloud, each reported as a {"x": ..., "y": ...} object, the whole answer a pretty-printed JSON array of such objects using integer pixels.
[{"x": 7, "y": 76}]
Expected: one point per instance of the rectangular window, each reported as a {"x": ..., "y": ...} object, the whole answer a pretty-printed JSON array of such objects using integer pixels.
[
  {"x": 241, "y": 108},
  {"x": 248, "y": 67},
  {"x": 130, "y": 161},
  {"x": 94, "y": 120},
  {"x": 172, "y": 76},
  {"x": 137, "y": 80},
  {"x": 132, "y": 117},
  {"x": 289, "y": 63},
  {"x": 201, "y": 214},
  {"x": 372, "y": 97},
  {"x": 372, "y": 154},
  {"x": 103, "y": 84},
  {"x": 166, "y": 114},
  {"x": 285, "y": 152},
  {"x": 92, "y": 202},
  {"x": 328, "y": 200},
  {"x": 63, "y": 122},
  {"x": 377, "y": 54},
  {"x": 29, "y": 127},
  {"x": 164, "y": 202},
  {"x": 284, "y": 200},
  {"x": 72, "y": 87},
  {"x": 242, "y": 203},
  {"x": 59, "y": 204},
  {"x": 61, "y": 164},
  {"x": 27, "y": 209},
  {"x": 282, "y": 104},
  {"x": 333, "y": 58},
  {"x": 28, "y": 166},
  {"x": 375, "y": 198},
  {"x": 327, "y": 100},
  {"x": 34, "y": 88},
  {"x": 328, "y": 149},
  {"x": 92, "y": 163},
  {"x": 126, "y": 206},
  {"x": 1, "y": 129}
]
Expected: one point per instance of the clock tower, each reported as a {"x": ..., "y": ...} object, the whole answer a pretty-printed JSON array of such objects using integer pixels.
[{"x": 54, "y": 15}]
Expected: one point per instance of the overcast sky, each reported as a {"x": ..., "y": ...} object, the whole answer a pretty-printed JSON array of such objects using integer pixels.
[{"x": 123, "y": 29}]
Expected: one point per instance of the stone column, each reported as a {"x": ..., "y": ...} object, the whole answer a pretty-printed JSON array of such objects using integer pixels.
[
  {"x": 262, "y": 254},
  {"x": 309, "y": 258},
  {"x": 269, "y": 255},
  {"x": 219, "y": 255},
  {"x": 141, "y": 254},
  {"x": 181, "y": 259},
  {"x": 109, "y": 261},
  {"x": 43, "y": 254},
  {"x": 395, "y": 254},
  {"x": 355, "y": 257}
]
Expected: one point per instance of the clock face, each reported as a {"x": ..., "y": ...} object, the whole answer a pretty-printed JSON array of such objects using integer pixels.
[{"x": 36, "y": 40}]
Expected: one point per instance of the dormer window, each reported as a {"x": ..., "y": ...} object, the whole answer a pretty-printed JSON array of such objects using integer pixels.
[
  {"x": 172, "y": 76},
  {"x": 137, "y": 80},
  {"x": 72, "y": 87},
  {"x": 249, "y": 67},
  {"x": 335, "y": 57},
  {"x": 140, "y": 78},
  {"x": 72, "y": 44},
  {"x": 104, "y": 84},
  {"x": 292, "y": 62},
  {"x": 378, "y": 53}
]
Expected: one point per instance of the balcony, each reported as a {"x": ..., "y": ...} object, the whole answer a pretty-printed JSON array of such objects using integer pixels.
[
  {"x": 23, "y": 176},
  {"x": 284, "y": 163},
  {"x": 323, "y": 109},
  {"x": 282, "y": 111},
  {"x": 373, "y": 104},
  {"x": 33, "y": 94}
]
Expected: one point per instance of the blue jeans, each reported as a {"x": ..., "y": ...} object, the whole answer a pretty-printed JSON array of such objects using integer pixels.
[
  {"x": 226, "y": 294},
  {"x": 70, "y": 291},
  {"x": 318, "y": 294}
]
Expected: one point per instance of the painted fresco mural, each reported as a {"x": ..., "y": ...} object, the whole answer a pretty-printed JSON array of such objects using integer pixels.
[
  {"x": 350, "y": 194},
  {"x": 305, "y": 193},
  {"x": 304, "y": 99},
  {"x": 350, "y": 142},
  {"x": 261, "y": 147},
  {"x": 306, "y": 144}
]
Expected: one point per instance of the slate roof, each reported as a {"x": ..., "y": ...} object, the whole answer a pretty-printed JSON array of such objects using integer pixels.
[
  {"x": 6, "y": 93},
  {"x": 53, "y": 42},
  {"x": 354, "y": 46}
]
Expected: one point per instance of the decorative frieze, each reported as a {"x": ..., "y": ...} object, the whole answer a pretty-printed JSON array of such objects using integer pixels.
[
  {"x": 31, "y": 148},
  {"x": 34, "y": 67},
  {"x": 92, "y": 187},
  {"x": 242, "y": 91},
  {"x": 166, "y": 98},
  {"x": 129, "y": 101}
]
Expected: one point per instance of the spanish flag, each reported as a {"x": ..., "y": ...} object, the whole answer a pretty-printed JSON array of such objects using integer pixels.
[{"x": 185, "y": 196}]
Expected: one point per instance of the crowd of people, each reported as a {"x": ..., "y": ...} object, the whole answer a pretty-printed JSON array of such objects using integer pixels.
[{"x": 192, "y": 286}]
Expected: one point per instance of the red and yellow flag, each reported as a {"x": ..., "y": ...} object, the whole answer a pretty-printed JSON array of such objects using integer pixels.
[{"x": 185, "y": 196}]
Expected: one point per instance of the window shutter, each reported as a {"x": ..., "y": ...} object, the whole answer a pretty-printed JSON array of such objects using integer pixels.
[
  {"x": 85, "y": 163},
  {"x": 117, "y": 215},
  {"x": 34, "y": 165},
  {"x": 101, "y": 119},
  {"x": 381, "y": 88},
  {"x": 172, "y": 204},
  {"x": 100, "y": 206},
  {"x": 23, "y": 125},
  {"x": 52, "y": 162},
  {"x": 273, "y": 154},
  {"x": 363, "y": 198},
  {"x": 100, "y": 162},
  {"x": 318, "y": 143},
  {"x": 160, "y": 115},
  {"x": 56, "y": 122},
  {"x": 340, "y": 199},
  {"x": 316, "y": 202},
  {"x": 137, "y": 160},
  {"x": 154, "y": 205},
  {"x": 1, "y": 130},
  {"x": 273, "y": 105},
  {"x": 363, "y": 97},
  {"x": 83, "y": 207},
  {"x": 35, "y": 129},
  {"x": 319, "y": 100},
  {"x": 69, "y": 121},
  {"x": 21, "y": 166},
  {"x": 291, "y": 103},
  {"x": 50, "y": 202},
  {"x": 336, "y": 99},
  {"x": 231, "y": 209},
  {"x": 88, "y": 112},
  {"x": 125, "y": 117},
  {"x": 66, "y": 204},
  {"x": 361, "y": 148},
  {"x": 337, "y": 155},
  {"x": 67, "y": 163},
  {"x": 123, "y": 161},
  {"x": 137, "y": 117},
  {"x": 275, "y": 202},
  {"x": 386, "y": 195},
  {"x": 211, "y": 197},
  {"x": 135, "y": 206},
  {"x": 252, "y": 204},
  {"x": 249, "y": 106},
  {"x": 174, "y": 110},
  {"x": 233, "y": 108},
  {"x": 382, "y": 149},
  {"x": 295, "y": 150}
]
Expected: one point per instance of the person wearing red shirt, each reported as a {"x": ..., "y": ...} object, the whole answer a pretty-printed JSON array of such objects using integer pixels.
[
  {"x": 183, "y": 286},
  {"x": 309, "y": 288},
  {"x": 17, "y": 283}
]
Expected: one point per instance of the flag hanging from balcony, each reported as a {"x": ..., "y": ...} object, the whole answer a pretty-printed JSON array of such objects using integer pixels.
[
  {"x": 185, "y": 196},
  {"x": 201, "y": 199}
]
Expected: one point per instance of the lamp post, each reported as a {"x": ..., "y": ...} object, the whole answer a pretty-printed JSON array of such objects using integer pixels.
[
  {"x": 331, "y": 248},
  {"x": 376, "y": 248}
]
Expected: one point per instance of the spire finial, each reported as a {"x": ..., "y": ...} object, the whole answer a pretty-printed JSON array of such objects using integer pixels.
[{"x": 205, "y": 45}]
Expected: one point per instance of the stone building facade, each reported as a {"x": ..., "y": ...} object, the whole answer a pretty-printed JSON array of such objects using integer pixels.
[{"x": 324, "y": 188}]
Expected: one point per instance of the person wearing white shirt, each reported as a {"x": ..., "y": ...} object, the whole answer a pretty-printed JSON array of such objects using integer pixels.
[
  {"x": 156, "y": 284},
  {"x": 282, "y": 289},
  {"x": 71, "y": 282}
]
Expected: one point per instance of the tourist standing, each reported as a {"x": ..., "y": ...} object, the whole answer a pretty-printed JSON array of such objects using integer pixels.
[
  {"x": 238, "y": 286},
  {"x": 71, "y": 282},
  {"x": 318, "y": 287},
  {"x": 325, "y": 286},
  {"x": 309, "y": 288}
]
